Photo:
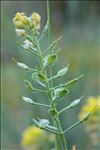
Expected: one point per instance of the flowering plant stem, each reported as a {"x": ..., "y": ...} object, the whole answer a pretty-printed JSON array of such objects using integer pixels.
[{"x": 55, "y": 119}]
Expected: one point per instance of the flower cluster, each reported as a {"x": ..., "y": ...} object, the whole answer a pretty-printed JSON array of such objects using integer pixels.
[{"x": 23, "y": 23}]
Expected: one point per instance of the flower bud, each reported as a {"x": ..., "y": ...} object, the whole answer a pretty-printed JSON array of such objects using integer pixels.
[
  {"x": 36, "y": 20},
  {"x": 27, "y": 44},
  {"x": 36, "y": 17},
  {"x": 20, "y": 20},
  {"x": 20, "y": 32}
]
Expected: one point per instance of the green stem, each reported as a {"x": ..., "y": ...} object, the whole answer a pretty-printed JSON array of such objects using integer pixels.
[
  {"x": 43, "y": 105},
  {"x": 49, "y": 42},
  {"x": 61, "y": 134},
  {"x": 38, "y": 90},
  {"x": 48, "y": 130},
  {"x": 41, "y": 67},
  {"x": 57, "y": 121},
  {"x": 73, "y": 126},
  {"x": 49, "y": 22}
]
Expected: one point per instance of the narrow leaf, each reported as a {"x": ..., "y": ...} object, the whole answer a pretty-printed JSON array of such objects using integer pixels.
[
  {"x": 50, "y": 59},
  {"x": 41, "y": 76},
  {"x": 60, "y": 92}
]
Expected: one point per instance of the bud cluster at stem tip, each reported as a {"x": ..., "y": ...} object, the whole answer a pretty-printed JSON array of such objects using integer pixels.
[{"x": 22, "y": 22}]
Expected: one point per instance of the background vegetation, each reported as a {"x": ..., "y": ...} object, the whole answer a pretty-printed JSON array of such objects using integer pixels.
[{"x": 78, "y": 22}]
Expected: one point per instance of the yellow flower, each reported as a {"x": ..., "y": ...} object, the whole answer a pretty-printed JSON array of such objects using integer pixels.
[
  {"x": 20, "y": 20},
  {"x": 36, "y": 17},
  {"x": 88, "y": 107},
  {"x": 92, "y": 123},
  {"x": 36, "y": 20},
  {"x": 31, "y": 136}
]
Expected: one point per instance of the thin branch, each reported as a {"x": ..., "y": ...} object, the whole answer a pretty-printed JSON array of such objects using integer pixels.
[
  {"x": 43, "y": 105},
  {"x": 49, "y": 22},
  {"x": 38, "y": 90},
  {"x": 49, "y": 130},
  {"x": 81, "y": 121},
  {"x": 73, "y": 126}
]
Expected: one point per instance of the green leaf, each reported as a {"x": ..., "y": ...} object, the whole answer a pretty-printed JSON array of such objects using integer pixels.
[
  {"x": 41, "y": 76},
  {"x": 28, "y": 85},
  {"x": 43, "y": 123},
  {"x": 52, "y": 112},
  {"x": 38, "y": 76},
  {"x": 60, "y": 92},
  {"x": 28, "y": 100},
  {"x": 50, "y": 59},
  {"x": 62, "y": 72}
]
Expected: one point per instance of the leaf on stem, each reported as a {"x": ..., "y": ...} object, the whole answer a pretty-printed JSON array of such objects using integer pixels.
[
  {"x": 38, "y": 76},
  {"x": 52, "y": 112},
  {"x": 50, "y": 59},
  {"x": 60, "y": 92},
  {"x": 41, "y": 76}
]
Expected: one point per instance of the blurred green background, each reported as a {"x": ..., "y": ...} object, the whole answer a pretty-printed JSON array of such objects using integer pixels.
[{"x": 79, "y": 23}]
